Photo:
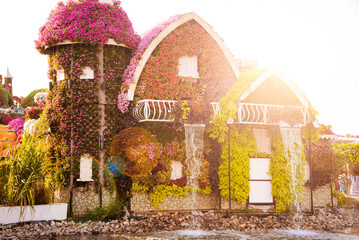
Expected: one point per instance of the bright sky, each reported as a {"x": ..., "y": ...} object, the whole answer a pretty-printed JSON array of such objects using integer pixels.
[{"x": 315, "y": 42}]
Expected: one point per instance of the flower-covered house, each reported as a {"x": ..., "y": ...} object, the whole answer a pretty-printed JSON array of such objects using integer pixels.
[{"x": 152, "y": 120}]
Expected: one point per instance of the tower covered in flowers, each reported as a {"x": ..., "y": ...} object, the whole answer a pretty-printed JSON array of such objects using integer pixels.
[{"x": 89, "y": 44}]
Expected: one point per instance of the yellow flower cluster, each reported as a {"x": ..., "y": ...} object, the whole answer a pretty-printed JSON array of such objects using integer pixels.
[{"x": 185, "y": 109}]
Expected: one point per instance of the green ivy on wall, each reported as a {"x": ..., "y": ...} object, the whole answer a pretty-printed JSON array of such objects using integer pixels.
[
  {"x": 281, "y": 188},
  {"x": 243, "y": 144}
]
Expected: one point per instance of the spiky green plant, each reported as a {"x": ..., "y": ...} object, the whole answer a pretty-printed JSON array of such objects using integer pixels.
[{"x": 27, "y": 174}]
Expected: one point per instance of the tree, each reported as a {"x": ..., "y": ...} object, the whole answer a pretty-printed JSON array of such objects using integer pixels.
[
  {"x": 347, "y": 157},
  {"x": 5, "y": 97}
]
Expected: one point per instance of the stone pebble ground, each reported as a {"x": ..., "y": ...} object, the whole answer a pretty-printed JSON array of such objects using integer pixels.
[{"x": 340, "y": 220}]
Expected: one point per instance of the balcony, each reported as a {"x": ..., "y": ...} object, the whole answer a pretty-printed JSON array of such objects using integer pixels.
[
  {"x": 267, "y": 114},
  {"x": 150, "y": 110}
]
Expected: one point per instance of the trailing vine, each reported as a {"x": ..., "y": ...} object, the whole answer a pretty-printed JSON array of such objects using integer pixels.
[{"x": 243, "y": 144}]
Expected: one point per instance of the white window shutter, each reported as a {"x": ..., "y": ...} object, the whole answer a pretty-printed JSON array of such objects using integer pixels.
[
  {"x": 85, "y": 168},
  {"x": 263, "y": 140},
  {"x": 88, "y": 73},
  {"x": 60, "y": 74},
  {"x": 176, "y": 170},
  {"x": 188, "y": 67}
]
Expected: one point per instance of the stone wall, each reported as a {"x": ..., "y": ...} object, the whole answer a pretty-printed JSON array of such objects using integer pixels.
[
  {"x": 322, "y": 196},
  {"x": 234, "y": 204},
  {"x": 84, "y": 199},
  {"x": 140, "y": 202}
]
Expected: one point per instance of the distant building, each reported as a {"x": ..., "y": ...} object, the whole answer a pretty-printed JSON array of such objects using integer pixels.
[{"x": 8, "y": 80}]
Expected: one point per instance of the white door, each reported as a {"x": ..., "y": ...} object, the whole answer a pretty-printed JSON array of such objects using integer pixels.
[{"x": 260, "y": 181}]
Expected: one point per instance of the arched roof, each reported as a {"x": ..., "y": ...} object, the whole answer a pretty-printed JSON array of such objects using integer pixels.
[
  {"x": 176, "y": 22},
  {"x": 267, "y": 74}
]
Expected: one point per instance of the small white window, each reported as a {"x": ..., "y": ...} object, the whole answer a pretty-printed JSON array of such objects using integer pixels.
[
  {"x": 60, "y": 74},
  {"x": 263, "y": 140},
  {"x": 87, "y": 73},
  {"x": 85, "y": 169},
  {"x": 188, "y": 67},
  {"x": 176, "y": 170}
]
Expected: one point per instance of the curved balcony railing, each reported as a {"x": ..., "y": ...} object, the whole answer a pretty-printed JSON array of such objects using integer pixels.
[
  {"x": 272, "y": 114},
  {"x": 268, "y": 114},
  {"x": 248, "y": 113},
  {"x": 150, "y": 110}
]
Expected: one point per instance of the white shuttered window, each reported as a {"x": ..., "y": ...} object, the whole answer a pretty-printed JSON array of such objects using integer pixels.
[{"x": 188, "y": 67}]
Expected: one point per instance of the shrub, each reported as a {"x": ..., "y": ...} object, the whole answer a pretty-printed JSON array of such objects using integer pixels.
[
  {"x": 120, "y": 141},
  {"x": 27, "y": 174},
  {"x": 6, "y": 119},
  {"x": 342, "y": 200},
  {"x": 5, "y": 97},
  {"x": 139, "y": 148},
  {"x": 34, "y": 112}
]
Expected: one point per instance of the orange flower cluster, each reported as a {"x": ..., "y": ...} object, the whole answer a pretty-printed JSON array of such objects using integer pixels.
[{"x": 7, "y": 140}]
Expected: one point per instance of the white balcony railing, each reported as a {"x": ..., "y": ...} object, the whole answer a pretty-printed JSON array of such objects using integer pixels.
[
  {"x": 265, "y": 114},
  {"x": 150, "y": 110},
  {"x": 248, "y": 113}
]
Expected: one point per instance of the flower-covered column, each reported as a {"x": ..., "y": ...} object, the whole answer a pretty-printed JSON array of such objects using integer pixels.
[{"x": 89, "y": 44}]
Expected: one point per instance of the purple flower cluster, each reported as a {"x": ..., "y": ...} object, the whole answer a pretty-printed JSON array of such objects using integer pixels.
[
  {"x": 17, "y": 125},
  {"x": 128, "y": 76},
  {"x": 87, "y": 21}
]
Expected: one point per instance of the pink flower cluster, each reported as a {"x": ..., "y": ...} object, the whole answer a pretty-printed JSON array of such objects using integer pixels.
[
  {"x": 122, "y": 102},
  {"x": 87, "y": 21},
  {"x": 128, "y": 76},
  {"x": 17, "y": 125}
]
